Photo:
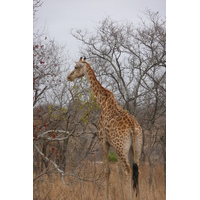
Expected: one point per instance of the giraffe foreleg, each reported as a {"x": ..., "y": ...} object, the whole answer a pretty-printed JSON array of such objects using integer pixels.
[
  {"x": 105, "y": 150},
  {"x": 121, "y": 180},
  {"x": 105, "y": 146}
]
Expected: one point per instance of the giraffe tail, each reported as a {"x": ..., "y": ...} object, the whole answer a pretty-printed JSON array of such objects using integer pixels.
[
  {"x": 135, "y": 168},
  {"x": 135, "y": 175}
]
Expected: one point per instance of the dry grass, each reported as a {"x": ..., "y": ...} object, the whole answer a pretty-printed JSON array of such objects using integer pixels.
[{"x": 53, "y": 188}]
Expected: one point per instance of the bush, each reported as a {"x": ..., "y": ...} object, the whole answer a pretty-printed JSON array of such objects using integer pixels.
[{"x": 112, "y": 157}]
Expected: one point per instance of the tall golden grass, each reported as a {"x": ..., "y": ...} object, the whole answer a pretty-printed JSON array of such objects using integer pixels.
[{"x": 51, "y": 188}]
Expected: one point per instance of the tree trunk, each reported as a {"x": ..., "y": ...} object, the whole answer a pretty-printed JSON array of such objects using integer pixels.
[
  {"x": 150, "y": 175},
  {"x": 44, "y": 151},
  {"x": 64, "y": 151}
]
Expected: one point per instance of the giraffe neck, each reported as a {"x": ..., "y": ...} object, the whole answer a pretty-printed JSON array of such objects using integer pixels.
[{"x": 99, "y": 92}]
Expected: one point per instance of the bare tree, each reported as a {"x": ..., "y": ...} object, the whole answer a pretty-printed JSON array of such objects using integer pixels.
[
  {"x": 36, "y": 5},
  {"x": 64, "y": 115},
  {"x": 48, "y": 60},
  {"x": 127, "y": 55}
]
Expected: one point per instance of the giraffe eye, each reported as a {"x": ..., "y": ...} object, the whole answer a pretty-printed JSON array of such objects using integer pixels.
[{"x": 76, "y": 67}]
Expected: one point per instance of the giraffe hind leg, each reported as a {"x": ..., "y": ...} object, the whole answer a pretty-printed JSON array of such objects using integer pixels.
[{"x": 125, "y": 168}]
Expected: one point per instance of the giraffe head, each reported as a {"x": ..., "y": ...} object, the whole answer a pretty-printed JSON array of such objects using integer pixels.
[{"x": 79, "y": 70}]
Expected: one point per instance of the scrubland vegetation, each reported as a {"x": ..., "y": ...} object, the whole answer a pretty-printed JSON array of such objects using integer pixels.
[
  {"x": 129, "y": 60},
  {"x": 53, "y": 188}
]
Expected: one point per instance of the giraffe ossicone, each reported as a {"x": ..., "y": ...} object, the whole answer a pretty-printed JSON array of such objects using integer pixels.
[{"x": 117, "y": 128}]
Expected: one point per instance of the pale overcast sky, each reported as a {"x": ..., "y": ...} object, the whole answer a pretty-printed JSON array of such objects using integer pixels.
[{"x": 59, "y": 16}]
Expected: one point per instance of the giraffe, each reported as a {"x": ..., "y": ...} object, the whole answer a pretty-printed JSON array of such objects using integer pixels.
[{"x": 117, "y": 128}]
